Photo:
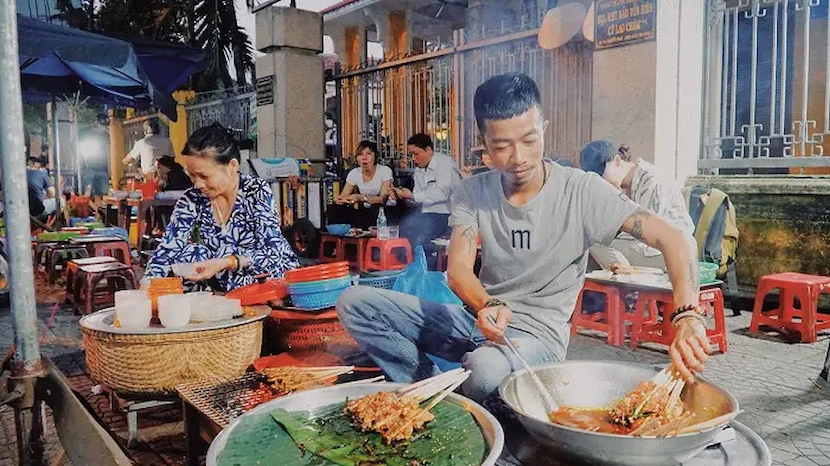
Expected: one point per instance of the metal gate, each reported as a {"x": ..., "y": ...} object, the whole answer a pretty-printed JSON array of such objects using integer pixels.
[
  {"x": 433, "y": 93},
  {"x": 767, "y": 104},
  {"x": 229, "y": 107}
]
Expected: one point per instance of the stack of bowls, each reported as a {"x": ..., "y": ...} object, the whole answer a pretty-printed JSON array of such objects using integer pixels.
[{"x": 319, "y": 286}]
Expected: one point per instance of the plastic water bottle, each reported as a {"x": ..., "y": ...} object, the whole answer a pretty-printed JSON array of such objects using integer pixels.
[{"x": 383, "y": 227}]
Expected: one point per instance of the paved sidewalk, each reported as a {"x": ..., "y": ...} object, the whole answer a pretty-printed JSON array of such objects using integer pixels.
[{"x": 772, "y": 380}]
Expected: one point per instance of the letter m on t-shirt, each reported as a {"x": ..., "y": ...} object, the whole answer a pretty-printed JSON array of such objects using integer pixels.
[{"x": 521, "y": 239}]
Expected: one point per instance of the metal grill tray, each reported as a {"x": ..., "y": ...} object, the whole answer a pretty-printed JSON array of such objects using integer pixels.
[{"x": 222, "y": 401}]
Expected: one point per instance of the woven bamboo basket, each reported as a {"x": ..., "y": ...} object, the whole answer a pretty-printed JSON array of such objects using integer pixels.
[{"x": 154, "y": 364}]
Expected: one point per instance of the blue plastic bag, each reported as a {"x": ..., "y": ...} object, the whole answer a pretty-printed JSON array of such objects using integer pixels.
[{"x": 416, "y": 280}]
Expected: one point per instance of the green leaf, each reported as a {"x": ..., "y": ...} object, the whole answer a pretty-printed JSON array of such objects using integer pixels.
[
  {"x": 258, "y": 440},
  {"x": 454, "y": 437}
]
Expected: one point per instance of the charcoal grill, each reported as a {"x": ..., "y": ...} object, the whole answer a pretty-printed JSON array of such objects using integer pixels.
[{"x": 222, "y": 401}]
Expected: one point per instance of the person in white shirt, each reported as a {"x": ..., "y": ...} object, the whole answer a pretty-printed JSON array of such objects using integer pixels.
[
  {"x": 373, "y": 181},
  {"x": 435, "y": 178},
  {"x": 150, "y": 148}
]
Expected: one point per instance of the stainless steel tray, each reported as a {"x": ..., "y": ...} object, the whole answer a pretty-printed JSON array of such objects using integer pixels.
[
  {"x": 102, "y": 321},
  {"x": 314, "y": 399}
]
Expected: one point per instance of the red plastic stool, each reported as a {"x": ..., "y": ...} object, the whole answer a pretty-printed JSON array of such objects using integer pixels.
[
  {"x": 90, "y": 295},
  {"x": 329, "y": 248},
  {"x": 386, "y": 250},
  {"x": 353, "y": 250},
  {"x": 650, "y": 324},
  {"x": 806, "y": 320},
  {"x": 611, "y": 321},
  {"x": 72, "y": 268},
  {"x": 112, "y": 246}
]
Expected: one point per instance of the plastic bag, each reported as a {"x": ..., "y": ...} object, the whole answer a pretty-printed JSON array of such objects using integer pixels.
[{"x": 416, "y": 280}]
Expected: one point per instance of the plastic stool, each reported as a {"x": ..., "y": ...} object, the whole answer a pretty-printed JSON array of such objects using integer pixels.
[
  {"x": 117, "y": 276},
  {"x": 611, "y": 321},
  {"x": 806, "y": 320},
  {"x": 72, "y": 285},
  {"x": 117, "y": 249},
  {"x": 59, "y": 255},
  {"x": 386, "y": 250},
  {"x": 353, "y": 250},
  {"x": 329, "y": 248},
  {"x": 651, "y": 324}
]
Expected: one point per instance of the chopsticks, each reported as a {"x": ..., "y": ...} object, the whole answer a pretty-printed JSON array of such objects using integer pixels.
[
  {"x": 546, "y": 396},
  {"x": 701, "y": 426}
]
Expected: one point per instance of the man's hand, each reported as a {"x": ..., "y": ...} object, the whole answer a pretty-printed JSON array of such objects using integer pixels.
[
  {"x": 690, "y": 348},
  {"x": 403, "y": 193},
  {"x": 502, "y": 315},
  {"x": 209, "y": 269}
]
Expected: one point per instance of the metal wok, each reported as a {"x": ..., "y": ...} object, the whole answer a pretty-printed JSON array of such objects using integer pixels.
[{"x": 596, "y": 384}]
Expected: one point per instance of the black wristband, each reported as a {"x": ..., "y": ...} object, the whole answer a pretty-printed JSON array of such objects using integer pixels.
[{"x": 493, "y": 302}]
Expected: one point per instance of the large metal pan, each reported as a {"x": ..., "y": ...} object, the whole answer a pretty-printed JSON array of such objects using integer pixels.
[
  {"x": 313, "y": 400},
  {"x": 597, "y": 384}
]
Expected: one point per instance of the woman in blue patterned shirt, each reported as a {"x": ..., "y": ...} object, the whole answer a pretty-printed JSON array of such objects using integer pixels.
[{"x": 227, "y": 223}]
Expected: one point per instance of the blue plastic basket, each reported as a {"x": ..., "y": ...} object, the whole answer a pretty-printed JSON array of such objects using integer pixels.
[
  {"x": 320, "y": 285},
  {"x": 317, "y": 300},
  {"x": 318, "y": 294},
  {"x": 383, "y": 281}
]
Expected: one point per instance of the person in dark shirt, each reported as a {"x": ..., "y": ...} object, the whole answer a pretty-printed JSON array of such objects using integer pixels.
[
  {"x": 172, "y": 175},
  {"x": 41, "y": 184},
  {"x": 171, "y": 178}
]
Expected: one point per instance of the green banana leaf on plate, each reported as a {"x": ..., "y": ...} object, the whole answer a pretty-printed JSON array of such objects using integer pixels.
[{"x": 327, "y": 438}]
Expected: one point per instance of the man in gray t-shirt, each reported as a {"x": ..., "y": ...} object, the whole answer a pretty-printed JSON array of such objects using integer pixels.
[{"x": 535, "y": 221}]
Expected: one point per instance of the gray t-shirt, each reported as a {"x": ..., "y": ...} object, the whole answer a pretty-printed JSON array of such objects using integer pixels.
[{"x": 533, "y": 257}]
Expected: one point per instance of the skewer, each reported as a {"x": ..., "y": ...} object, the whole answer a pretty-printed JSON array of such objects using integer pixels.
[
  {"x": 647, "y": 426},
  {"x": 726, "y": 418},
  {"x": 431, "y": 404},
  {"x": 669, "y": 427},
  {"x": 450, "y": 379},
  {"x": 379, "y": 378},
  {"x": 431, "y": 380}
]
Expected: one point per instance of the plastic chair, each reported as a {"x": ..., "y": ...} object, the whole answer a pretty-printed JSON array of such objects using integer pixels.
[
  {"x": 805, "y": 319},
  {"x": 383, "y": 254},
  {"x": 329, "y": 248},
  {"x": 651, "y": 323},
  {"x": 91, "y": 296},
  {"x": 610, "y": 321}
]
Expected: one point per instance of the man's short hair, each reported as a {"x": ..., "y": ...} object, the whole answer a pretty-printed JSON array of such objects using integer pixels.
[
  {"x": 153, "y": 125},
  {"x": 505, "y": 96},
  {"x": 421, "y": 141}
]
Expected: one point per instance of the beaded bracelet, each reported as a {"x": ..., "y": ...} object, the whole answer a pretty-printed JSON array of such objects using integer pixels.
[{"x": 693, "y": 313}]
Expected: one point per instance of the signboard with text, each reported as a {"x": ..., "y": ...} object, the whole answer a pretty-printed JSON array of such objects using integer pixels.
[{"x": 624, "y": 22}]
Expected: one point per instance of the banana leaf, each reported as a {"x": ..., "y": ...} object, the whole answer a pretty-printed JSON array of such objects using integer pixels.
[
  {"x": 259, "y": 441},
  {"x": 453, "y": 438}
]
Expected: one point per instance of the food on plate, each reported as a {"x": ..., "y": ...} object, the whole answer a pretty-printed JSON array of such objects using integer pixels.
[{"x": 393, "y": 416}]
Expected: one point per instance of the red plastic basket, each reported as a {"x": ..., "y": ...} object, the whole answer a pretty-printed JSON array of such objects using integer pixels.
[{"x": 303, "y": 330}]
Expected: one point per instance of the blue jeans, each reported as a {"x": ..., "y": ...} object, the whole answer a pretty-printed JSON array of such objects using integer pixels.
[{"x": 396, "y": 330}]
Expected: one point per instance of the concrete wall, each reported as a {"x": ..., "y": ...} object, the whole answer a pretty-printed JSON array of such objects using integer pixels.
[
  {"x": 784, "y": 223},
  {"x": 624, "y": 80}
]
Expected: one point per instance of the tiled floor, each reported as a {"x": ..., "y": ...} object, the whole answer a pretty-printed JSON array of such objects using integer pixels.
[{"x": 772, "y": 380}]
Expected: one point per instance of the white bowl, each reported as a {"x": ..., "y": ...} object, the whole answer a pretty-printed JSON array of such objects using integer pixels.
[
  {"x": 183, "y": 270},
  {"x": 174, "y": 310},
  {"x": 129, "y": 295},
  {"x": 134, "y": 314}
]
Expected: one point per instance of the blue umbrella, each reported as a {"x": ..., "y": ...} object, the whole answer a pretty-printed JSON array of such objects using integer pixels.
[{"x": 57, "y": 60}]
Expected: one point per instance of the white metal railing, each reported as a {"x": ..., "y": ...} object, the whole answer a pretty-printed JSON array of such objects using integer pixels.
[{"x": 767, "y": 103}]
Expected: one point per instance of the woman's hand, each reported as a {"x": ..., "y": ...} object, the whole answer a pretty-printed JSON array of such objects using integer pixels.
[
  {"x": 502, "y": 315},
  {"x": 209, "y": 269},
  {"x": 690, "y": 348}
]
